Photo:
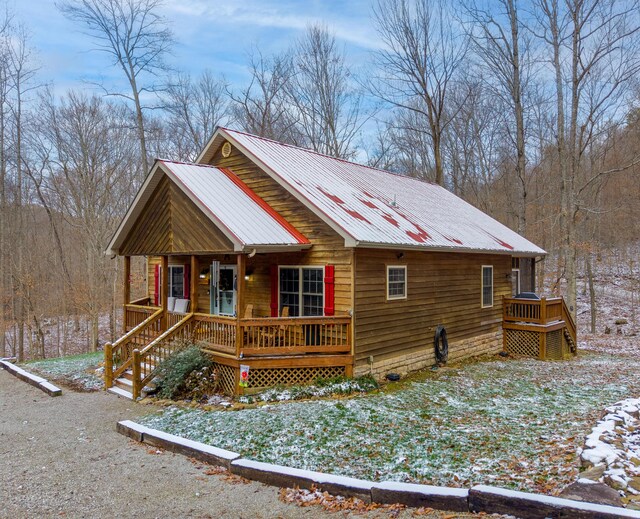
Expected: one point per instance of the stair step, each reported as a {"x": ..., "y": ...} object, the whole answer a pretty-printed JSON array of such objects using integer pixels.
[
  {"x": 124, "y": 383},
  {"x": 120, "y": 392}
]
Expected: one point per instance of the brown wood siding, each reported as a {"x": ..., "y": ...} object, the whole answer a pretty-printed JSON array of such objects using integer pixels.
[
  {"x": 171, "y": 223},
  {"x": 443, "y": 288},
  {"x": 327, "y": 249}
]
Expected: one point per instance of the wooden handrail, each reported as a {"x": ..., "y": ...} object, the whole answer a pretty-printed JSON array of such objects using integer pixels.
[
  {"x": 141, "y": 301},
  {"x": 568, "y": 318},
  {"x": 162, "y": 347},
  {"x": 119, "y": 347},
  {"x": 135, "y": 330},
  {"x": 166, "y": 333}
]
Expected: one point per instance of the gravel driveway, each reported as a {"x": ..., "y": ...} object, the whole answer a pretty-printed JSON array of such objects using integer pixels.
[{"x": 61, "y": 457}]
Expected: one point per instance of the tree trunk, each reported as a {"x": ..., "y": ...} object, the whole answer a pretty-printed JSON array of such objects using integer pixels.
[{"x": 592, "y": 294}]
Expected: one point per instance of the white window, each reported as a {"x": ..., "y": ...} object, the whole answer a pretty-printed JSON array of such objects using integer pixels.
[
  {"x": 302, "y": 290},
  {"x": 176, "y": 281},
  {"x": 487, "y": 286},
  {"x": 396, "y": 282}
]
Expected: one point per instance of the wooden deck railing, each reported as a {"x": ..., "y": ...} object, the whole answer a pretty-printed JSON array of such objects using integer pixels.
[
  {"x": 147, "y": 360},
  {"x": 118, "y": 356},
  {"x": 295, "y": 335},
  {"x": 215, "y": 333},
  {"x": 535, "y": 311},
  {"x": 146, "y": 345},
  {"x": 135, "y": 313}
]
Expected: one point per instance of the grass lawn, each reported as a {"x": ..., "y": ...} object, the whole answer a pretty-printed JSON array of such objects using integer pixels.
[
  {"x": 514, "y": 423},
  {"x": 76, "y": 370}
]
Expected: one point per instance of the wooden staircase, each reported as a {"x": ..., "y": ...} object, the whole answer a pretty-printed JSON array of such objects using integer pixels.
[{"x": 132, "y": 361}]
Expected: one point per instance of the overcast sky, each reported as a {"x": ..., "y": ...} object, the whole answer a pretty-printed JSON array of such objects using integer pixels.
[{"x": 209, "y": 34}]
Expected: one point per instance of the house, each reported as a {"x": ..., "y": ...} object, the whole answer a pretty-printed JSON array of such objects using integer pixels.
[{"x": 295, "y": 265}]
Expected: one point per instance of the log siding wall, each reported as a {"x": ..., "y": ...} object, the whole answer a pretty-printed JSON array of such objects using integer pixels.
[{"x": 442, "y": 288}]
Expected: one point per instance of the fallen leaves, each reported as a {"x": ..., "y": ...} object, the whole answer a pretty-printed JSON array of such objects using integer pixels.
[{"x": 331, "y": 503}]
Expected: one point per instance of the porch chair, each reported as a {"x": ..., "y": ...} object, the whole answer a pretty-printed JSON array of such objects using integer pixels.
[{"x": 272, "y": 335}]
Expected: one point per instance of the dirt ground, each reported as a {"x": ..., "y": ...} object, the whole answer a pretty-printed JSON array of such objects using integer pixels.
[{"x": 61, "y": 457}]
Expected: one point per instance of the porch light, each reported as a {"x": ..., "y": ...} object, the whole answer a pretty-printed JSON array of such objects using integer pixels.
[{"x": 204, "y": 273}]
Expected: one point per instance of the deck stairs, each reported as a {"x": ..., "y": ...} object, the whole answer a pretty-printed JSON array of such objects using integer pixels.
[
  {"x": 137, "y": 355},
  {"x": 123, "y": 385}
]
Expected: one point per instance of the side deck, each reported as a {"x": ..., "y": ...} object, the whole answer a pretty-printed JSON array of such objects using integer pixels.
[{"x": 541, "y": 328}]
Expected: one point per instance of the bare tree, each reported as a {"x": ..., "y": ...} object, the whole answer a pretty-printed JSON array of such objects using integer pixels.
[
  {"x": 328, "y": 104},
  {"x": 594, "y": 57},
  {"x": 195, "y": 108},
  {"x": 81, "y": 164},
  {"x": 421, "y": 58},
  {"x": 137, "y": 39},
  {"x": 262, "y": 107},
  {"x": 499, "y": 41},
  {"x": 21, "y": 74}
]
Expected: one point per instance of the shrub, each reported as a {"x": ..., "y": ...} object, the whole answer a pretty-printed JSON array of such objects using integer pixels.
[{"x": 174, "y": 372}]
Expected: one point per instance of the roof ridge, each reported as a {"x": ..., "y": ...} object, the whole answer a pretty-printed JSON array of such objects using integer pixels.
[
  {"x": 307, "y": 150},
  {"x": 187, "y": 163}
]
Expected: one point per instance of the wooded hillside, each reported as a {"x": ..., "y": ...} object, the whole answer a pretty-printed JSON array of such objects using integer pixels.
[{"x": 527, "y": 109}]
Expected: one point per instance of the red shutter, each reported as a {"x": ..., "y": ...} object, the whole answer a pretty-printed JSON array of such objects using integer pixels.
[
  {"x": 186, "y": 281},
  {"x": 274, "y": 290},
  {"x": 329, "y": 290},
  {"x": 156, "y": 286}
]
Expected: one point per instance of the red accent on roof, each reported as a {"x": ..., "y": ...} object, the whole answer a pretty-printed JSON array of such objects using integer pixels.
[
  {"x": 355, "y": 214},
  {"x": 335, "y": 198},
  {"x": 369, "y": 204},
  {"x": 391, "y": 219},
  {"x": 500, "y": 242},
  {"x": 272, "y": 212}
]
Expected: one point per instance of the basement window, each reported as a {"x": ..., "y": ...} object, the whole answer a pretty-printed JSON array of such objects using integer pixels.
[
  {"x": 396, "y": 282},
  {"x": 487, "y": 286}
]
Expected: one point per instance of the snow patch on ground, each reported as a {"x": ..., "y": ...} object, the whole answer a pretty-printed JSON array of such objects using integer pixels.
[
  {"x": 80, "y": 371},
  {"x": 615, "y": 443}
]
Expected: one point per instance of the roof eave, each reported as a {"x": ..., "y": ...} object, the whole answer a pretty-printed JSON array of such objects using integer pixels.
[{"x": 427, "y": 248}]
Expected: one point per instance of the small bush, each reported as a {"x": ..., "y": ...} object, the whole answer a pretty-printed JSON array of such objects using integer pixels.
[{"x": 174, "y": 372}]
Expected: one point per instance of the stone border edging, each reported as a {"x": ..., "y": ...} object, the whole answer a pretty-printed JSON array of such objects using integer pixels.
[
  {"x": 41, "y": 383},
  {"x": 480, "y": 498}
]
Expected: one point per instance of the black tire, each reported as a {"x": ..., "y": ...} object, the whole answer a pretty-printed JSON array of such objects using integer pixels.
[{"x": 441, "y": 345}]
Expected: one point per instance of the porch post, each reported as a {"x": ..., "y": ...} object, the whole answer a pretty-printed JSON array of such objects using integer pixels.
[
  {"x": 193, "y": 289},
  {"x": 164, "y": 291},
  {"x": 126, "y": 291},
  {"x": 241, "y": 258}
]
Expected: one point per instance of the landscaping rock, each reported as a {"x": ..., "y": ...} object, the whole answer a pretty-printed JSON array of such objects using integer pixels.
[
  {"x": 594, "y": 473},
  {"x": 634, "y": 483},
  {"x": 592, "y": 492}
]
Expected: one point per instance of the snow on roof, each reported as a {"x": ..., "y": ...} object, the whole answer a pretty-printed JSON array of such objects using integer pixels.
[
  {"x": 223, "y": 196},
  {"x": 376, "y": 208}
]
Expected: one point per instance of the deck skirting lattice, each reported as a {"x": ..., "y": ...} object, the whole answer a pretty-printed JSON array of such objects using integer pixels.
[{"x": 522, "y": 342}]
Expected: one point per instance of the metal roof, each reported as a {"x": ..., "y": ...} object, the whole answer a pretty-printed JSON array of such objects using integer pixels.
[
  {"x": 229, "y": 203},
  {"x": 376, "y": 208}
]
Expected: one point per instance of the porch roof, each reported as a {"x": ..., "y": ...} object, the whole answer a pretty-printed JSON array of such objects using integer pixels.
[{"x": 237, "y": 211}]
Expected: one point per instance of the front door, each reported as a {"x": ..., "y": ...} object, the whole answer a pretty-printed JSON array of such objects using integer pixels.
[{"x": 223, "y": 289}]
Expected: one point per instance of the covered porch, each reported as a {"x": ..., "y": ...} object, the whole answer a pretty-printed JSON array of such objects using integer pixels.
[{"x": 280, "y": 321}]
